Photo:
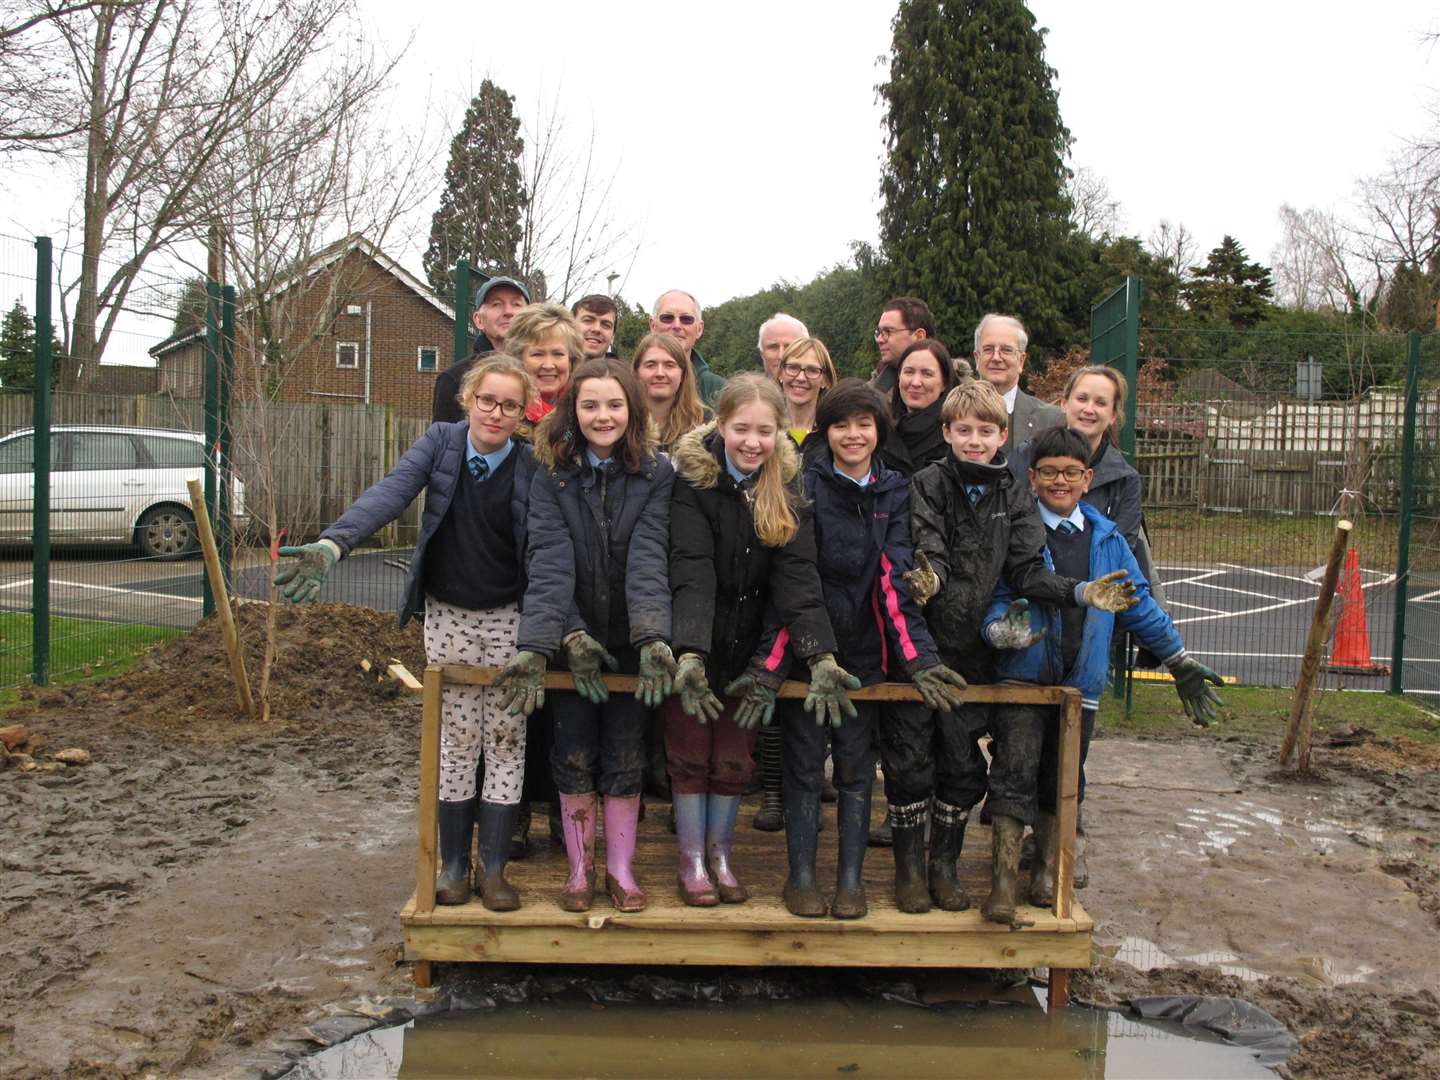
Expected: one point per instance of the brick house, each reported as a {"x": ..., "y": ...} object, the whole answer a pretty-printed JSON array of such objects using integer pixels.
[{"x": 361, "y": 330}]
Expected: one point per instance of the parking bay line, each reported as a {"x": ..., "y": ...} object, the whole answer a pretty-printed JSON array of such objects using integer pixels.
[{"x": 109, "y": 588}]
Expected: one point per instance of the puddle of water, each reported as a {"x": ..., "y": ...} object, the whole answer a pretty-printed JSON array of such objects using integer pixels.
[{"x": 787, "y": 1039}]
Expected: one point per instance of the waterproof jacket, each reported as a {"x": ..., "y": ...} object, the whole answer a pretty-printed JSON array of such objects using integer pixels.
[
  {"x": 445, "y": 402},
  {"x": 600, "y": 537},
  {"x": 1042, "y": 663},
  {"x": 970, "y": 545},
  {"x": 708, "y": 384},
  {"x": 722, "y": 576},
  {"x": 862, "y": 536},
  {"x": 433, "y": 466},
  {"x": 1114, "y": 489}
]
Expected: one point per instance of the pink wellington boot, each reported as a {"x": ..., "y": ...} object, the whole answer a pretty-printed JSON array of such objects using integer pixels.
[
  {"x": 622, "y": 816},
  {"x": 577, "y": 814}
]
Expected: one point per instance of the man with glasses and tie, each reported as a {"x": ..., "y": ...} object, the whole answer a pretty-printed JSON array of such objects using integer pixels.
[
  {"x": 1000, "y": 343},
  {"x": 903, "y": 321},
  {"x": 678, "y": 313}
]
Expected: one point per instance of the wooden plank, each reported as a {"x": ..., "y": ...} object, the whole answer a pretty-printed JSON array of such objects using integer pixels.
[
  {"x": 401, "y": 674},
  {"x": 1067, "y": 802},
  {"x": 429, "y": 807},
  {"x": 1057, "y": 992},
  {"x": 222, "y": 598}
]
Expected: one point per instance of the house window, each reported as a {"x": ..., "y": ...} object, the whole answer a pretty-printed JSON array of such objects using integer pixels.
[
  {"x": 347, "y": 354},
  {"x": 428, "y": 358}
]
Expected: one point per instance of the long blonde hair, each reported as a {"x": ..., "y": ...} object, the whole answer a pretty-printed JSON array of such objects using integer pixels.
[
  {"x": 776, "y": 522},
  {"x": 686, "y": 411}
]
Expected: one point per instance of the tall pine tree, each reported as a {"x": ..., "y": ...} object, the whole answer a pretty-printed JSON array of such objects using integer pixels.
[
  {"x": 17, "y": 351},
  {"x": 1229, "y": 287},
  {"x": 975, "y": 214},
  {"x": 482, "y": 206}
]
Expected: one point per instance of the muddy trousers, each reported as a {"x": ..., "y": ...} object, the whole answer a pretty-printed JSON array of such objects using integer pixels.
[
  {"x": 597, "y": 747},
  {"x": 1050, "y": 757},
  {"x": 471, "y": 717},
  {"x": 1016, "y": 734},
  {"x": 852, "y": 748},
  {"x": 927, "y": 752},
  {"x": 715, "y": 758}
]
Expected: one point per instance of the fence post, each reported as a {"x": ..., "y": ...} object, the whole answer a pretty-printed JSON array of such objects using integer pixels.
[
  {"x": 462, "y": 311},
  {"x": 40, "y": 509},
  {"x": 1407, "y": 510},
  {"x": 226, "y": 389},
  {"x": 212, "y": 417}
]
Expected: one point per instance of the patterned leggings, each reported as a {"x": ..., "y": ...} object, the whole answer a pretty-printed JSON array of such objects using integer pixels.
[{"x": 470, "y": 716}]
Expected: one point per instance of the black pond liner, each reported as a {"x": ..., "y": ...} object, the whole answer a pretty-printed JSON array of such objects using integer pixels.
[{"x": 1230, "y": 1020}]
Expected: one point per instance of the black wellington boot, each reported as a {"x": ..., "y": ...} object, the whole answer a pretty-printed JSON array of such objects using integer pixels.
[
  {"x": 497, "y": 822},
  {"x": 912, "y": 888},
  {"x": 457, "y": 823},
  {"x": 802, "y": 824},
  {"x": 520, "y": 836},
  {"x": 999, "y": 906},
  {"x": 947, "y": 837},
  {"x": 853, "y": 814},
  {"x": 771, "y": 817}
]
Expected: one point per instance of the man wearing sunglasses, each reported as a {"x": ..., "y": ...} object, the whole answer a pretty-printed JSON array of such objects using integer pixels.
[
  {"x": 1000, "y": 343},
  {"x": 678, "y": 313}
]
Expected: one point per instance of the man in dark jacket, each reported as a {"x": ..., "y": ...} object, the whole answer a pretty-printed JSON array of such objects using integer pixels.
[
  {"x": 903, "y": 321},
  {"x": 678, "y": 313},
  {"x": 496, "y": 304}
]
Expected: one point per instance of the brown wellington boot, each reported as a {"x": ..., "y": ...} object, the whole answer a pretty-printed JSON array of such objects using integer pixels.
[
  {"x": 1042, "y": 871},
  {"x": 1000, "y": 905}
]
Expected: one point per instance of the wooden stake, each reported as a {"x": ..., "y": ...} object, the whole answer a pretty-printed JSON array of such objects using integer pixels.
[
  {"x": 429, "y": 808},
  {"x": 222, "y": 597},
  {"x": 1297, "y": 730}
]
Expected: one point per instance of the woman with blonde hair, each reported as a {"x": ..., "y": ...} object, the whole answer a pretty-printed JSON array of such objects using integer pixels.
[
  {"x": 741, "y": 538},
  {"x": 546, "y": 341},
  {"x": 806, "y": 372},
  {"x": 668, "y": 383}
]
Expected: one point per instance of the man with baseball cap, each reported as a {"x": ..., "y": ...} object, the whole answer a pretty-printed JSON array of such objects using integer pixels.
[{"x": 496, "y": 304}]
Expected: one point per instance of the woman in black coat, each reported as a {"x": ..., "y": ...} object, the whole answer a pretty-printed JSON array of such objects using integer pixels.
[{"x": 925, "y": 374}]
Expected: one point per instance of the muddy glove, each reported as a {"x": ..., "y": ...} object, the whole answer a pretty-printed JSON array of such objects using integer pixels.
[
  {"x": 696, "y": 697},
  {"x": 584, "y": 655},
  {"x": 757, "y": 702},
  {"x": 1013, "y": 630},
  {"x": 522, "y": 683},
  {"x": 657, "y": 674},
  {"x": 1113, "y": 592},
  {"x": 302, "y": 579},
  {"x": 1199, "y": 700},
  {"x": 827, "y": 698},
  {"x": 922, "y": 582},
  {"x": 940, "y": 687}
]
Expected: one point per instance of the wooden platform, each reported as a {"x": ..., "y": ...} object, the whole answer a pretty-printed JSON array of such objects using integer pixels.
[{"x": 759, "y": 932}]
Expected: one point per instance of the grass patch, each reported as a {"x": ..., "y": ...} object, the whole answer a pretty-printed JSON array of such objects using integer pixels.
[
  {"x": 79, "y": 648},
  {"x": 1260, "y": 712}
]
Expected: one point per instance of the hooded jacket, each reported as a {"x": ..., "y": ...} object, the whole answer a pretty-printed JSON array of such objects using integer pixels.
[
  {"x": 721, "y": 575},
  {"x": 601, "y": 536},
  {"x": 433, "y": 466},
  {"x": 863, "y": 539},
  {"x": 1042, "y": 663},
  {"x": 970, "y": 545}
]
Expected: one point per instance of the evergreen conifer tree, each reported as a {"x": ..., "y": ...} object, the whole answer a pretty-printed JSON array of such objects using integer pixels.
[
  {"x": 481, "y": 207},
  {"x": 975, "y": 214},
  {"x": 1229, "y": 287},
  {"x": 17, "y": 349}
]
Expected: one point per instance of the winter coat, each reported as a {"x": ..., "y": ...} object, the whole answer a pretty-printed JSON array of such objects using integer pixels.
[
  {"x": 863, "y": 541},
  {"x": 722, "y": 576},
  {"x": 433, "y": 466},
  {"x": 708, "y": 384},
  {"x": 445, "y": 404},
  {"x": 1042, "y": 663},
  {"x": 970, "y": 546},
  {"x": 602, "y": 537}
]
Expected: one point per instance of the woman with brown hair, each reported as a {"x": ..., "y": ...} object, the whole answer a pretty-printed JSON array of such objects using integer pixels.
[{"x": 668, "y": 383}]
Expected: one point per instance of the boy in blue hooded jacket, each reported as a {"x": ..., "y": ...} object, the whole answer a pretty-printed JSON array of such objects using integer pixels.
[{"x": 1068, "y": 647}]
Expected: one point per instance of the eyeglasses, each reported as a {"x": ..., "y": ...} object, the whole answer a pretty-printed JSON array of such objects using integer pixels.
[
  {"x": 1070, "y": 472},
  {"x": 488, "y": 403},
  {"x": 808, "y": 372},
  {"x": 668, "y": 317},
  {"x": 884, "y": 333},
  {"x": 1009, "y": 352}
]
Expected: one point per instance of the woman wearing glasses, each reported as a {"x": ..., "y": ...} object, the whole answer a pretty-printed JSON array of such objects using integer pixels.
[
  {"x": 466, "y": 576},
  {"x": 806, "y": 372}
]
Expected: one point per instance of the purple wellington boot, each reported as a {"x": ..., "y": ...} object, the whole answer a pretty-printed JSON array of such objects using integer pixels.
[
  {"x": 622, "y": 818},
  {"x": 696, "y": 888}
]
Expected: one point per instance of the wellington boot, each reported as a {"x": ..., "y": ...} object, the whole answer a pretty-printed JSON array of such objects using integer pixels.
[
  {"x": 557, "y": 824},
  {"x": 802, "y": 817},
  {"x": 520, "y": 835},
  {"x": 720, "y": 811},
  {"x": 883, "y": 835},
  {"x": 912, "y": 888},
  {"x": 622, "y": 815},
  {"x": 947, "y": 837},
  {"x": 771, "y": 816},
  {"x": 852, "y": 812},
  {"x": 696, "y": 888},
  {"x": 578, "y": 812},
  {"x": 1042, "y": 871},
  {"x": 497, "y": 822},
  {"x": 1082, "y": 868},
  {"x": 1000, "y": 905},
  {"x": 457, "y": 824}
]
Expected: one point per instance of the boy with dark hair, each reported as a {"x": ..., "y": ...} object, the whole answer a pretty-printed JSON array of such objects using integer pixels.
[
  {"x": 1048, "y": 646},
  {"x": 972, "y": 522}
]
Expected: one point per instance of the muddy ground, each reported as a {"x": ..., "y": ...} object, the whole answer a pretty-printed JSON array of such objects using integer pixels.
[{"x": 205, "y": 889}]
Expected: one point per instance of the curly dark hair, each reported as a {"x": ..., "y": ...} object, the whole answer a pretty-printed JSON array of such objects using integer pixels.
[{"x": 561, "y": 429}]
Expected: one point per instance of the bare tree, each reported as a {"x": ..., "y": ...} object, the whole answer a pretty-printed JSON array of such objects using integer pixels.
[
  {"x": 1093, "y": 210},
  {"x": 1317, "y": 265},
  {"x": 35, "y": 112},
  {"x": 1401, "y": 209},
  {"x": 1175, "y": 243}
]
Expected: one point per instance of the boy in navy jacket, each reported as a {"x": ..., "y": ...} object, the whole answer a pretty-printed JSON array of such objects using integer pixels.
[{"x": 1067, "y": 647}]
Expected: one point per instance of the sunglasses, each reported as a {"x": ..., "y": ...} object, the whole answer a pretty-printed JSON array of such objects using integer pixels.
[{"x": 669, "y": 318}]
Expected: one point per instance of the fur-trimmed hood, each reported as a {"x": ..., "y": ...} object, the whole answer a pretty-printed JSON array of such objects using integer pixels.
[
  {"x": 698, "y": 457},
  {"x": 545, "y": 453}
]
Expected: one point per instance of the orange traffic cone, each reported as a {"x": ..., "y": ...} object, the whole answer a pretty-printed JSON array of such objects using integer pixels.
[{"x": 1351, "y": 651}]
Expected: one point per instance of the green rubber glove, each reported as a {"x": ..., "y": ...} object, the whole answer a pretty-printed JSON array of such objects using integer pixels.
[
  {"x": 302, "y": 579},
  {"x": 1113, "y": 592},
  {"x": 757, "y": 702},
  {"x": 584, "y": 655},
  {"x": 1192, "y": 683},
  {"x": 1013, "y": 630},
  {"x": 940, "y": 687},
  {"x": 522, "y": 683},
  {"x": 922, "y": 582},
  {"x": 827, "y": 699},
  {"x": 696, "y": 697},
  {"x": 657, "y": 674}
]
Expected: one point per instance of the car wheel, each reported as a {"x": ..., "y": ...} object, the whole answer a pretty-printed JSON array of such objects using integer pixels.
[{"x": 167, "y": 532}]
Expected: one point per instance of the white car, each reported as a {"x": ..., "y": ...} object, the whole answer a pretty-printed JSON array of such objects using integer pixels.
[{"x": 109, "y": 485}]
